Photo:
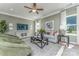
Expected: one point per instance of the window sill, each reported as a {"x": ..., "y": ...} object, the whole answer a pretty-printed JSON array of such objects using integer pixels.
[{"x": 71, "y": 34}]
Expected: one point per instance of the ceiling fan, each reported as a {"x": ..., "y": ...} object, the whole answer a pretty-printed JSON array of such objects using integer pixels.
[{"x": 34, "y": 8}]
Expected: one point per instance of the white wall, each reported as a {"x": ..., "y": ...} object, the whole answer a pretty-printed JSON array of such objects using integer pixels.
[
  {"x": 55, "y": 18},
  {"x": 15, "y": 21}
]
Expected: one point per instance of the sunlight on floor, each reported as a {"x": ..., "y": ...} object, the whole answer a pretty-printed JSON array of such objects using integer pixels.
[{"x": 70, "y": 46}]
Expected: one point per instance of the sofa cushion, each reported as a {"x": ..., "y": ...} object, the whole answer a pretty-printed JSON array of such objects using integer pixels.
[
  {"x": 51, "y": 38},
  {"x": 10, "y": 38},
  {"x": 9, "y": 46}
]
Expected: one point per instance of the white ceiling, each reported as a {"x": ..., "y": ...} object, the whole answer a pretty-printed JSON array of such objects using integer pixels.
[{"x": 18, "y": 10}]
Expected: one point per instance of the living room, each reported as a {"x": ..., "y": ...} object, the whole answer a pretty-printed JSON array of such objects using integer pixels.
[{"x": 22, "y": 22}]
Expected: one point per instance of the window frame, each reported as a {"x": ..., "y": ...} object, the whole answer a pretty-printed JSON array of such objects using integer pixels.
[{"x": 71, "y": 25}]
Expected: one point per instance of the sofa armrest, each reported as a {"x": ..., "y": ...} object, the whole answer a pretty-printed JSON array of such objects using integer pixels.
[{"x": 52, "y": 38}]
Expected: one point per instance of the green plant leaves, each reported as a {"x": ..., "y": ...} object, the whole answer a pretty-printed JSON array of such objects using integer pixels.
[{"x": 3, "y": 26}]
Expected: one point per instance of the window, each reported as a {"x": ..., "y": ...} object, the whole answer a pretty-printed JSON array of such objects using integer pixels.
[
  {"x": 71, "y": 24},
  {"x": 37, "y": 26}
]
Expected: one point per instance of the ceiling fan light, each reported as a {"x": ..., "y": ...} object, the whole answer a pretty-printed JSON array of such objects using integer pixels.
[{"x": 33, "y": 10}]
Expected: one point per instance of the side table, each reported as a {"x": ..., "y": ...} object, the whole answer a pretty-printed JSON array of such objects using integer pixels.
[{"x": 65, "y": 36}]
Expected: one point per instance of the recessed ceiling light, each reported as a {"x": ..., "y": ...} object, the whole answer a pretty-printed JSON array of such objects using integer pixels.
[{"x": 11, "y": 9}]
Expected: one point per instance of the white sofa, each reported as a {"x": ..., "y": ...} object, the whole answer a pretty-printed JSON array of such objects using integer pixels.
[{"x": 51, "y": 38}]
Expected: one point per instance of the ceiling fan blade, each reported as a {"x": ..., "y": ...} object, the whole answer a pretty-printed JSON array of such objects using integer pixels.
[
  {"x": 27, "y": 7},
  {"x": 30, "y": 11},
  {"x": 40, "y": 9},
  {"x": 37, "y": 12}
]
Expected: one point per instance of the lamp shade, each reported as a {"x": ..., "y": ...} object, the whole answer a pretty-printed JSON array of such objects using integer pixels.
[{"x": 10, "y": 24}]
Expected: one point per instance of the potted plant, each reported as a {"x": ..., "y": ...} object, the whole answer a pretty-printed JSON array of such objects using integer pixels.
[
  {"x": 42, "y": 31},
  {"x": 3, "y": 26},
  {"x": 70, "y": 30}
]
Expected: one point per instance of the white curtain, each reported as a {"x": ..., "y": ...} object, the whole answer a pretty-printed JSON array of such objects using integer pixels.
[
  {"x": 63, "y": 20},
  {"x": 78, "y": 25}
]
